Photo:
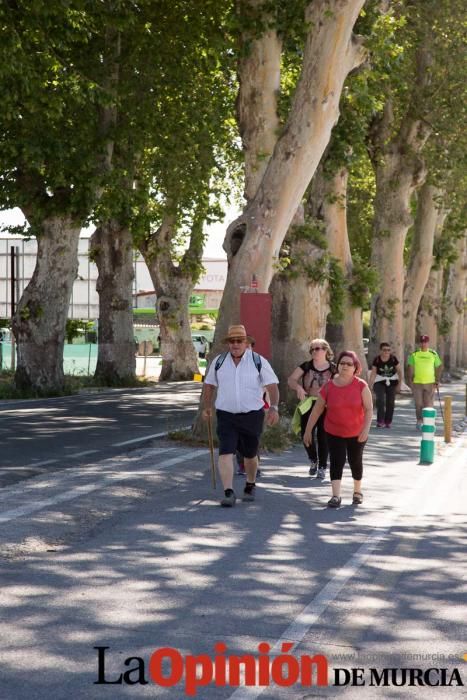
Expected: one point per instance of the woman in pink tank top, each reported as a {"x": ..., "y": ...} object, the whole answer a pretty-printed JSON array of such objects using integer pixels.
[{"x": 349, "y": 411}]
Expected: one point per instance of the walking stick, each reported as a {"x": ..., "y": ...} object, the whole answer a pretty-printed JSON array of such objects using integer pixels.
[
  {"x": 440, "y": 404},
  {"x": 211, "y": 450}
]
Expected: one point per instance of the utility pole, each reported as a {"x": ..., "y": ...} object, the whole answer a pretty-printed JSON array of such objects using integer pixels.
[{"x": 14, "y": 280}]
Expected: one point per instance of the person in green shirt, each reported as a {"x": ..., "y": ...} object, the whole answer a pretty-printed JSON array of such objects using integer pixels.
[{"x": 423, "y": 373}]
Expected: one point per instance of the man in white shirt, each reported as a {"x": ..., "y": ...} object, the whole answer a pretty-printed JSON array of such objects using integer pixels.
[{"x": 241, "y": 378}]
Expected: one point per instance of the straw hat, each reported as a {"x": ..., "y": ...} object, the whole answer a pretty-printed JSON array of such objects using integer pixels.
[{"x": 237, "y": 331}]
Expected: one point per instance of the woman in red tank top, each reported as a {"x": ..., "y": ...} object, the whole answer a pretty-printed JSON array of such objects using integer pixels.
[{"x": 349, "y": 411}]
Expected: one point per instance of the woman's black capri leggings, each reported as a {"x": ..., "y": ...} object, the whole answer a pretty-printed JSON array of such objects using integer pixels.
[{"x": 340, "y": 449}]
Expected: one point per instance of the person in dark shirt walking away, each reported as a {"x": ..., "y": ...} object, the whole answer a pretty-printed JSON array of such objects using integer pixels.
[
  {"x": 385, "y": 379},
  {"x": 241, "y": 377}
]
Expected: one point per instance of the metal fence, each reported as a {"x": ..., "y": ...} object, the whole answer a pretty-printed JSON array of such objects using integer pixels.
[
  {"x": 77, "y": 359},
  {"x": 81, "y": 359}
]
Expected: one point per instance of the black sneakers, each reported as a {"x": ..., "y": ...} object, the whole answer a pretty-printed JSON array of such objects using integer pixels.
[
  {"x": 249, "y": 492},
  {"x": 313, "y": 469},
  {"x": 229, "y": 499},
  {"x": 229, "y": 495}
]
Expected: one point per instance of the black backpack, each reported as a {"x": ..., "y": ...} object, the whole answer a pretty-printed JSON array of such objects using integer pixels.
[{"x": 221, "y": 358}]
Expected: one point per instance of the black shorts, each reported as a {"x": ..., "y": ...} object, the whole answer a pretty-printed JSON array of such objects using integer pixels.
[{"x": 240, "y": 431}]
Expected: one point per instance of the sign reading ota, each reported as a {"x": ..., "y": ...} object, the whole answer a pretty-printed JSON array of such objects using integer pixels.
[{"x": 215, "y": 275}]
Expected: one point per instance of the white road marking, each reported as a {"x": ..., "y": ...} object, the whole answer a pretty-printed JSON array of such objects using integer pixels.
[
  {"x": 28, "y": 468},
  {"x": 40, "y": 464},
  {"x": 78, "y": 491},
  {"x": 305, "y": 620},
  {"x": 88, "y": 452},
  {"x": 15, "y": 411},
  {"x": 148, "y": 437},
  {"x": 81, "y": 454}
]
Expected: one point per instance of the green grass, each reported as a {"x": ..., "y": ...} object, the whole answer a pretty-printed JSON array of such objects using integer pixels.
[
  {"x": 277, "y": 438},
  {"x": 186, "y": 438}
]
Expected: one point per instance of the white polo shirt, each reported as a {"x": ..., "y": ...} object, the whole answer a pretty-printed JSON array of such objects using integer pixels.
[{"x": 240, "y": 387}]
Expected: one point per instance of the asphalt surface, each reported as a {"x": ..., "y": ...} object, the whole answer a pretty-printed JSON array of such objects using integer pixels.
[
  {"x": 134, "y": 553},
  {"x": 41, "y": 435}
]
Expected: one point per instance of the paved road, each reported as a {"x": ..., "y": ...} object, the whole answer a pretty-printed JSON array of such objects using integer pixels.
[
  {"x": 134, "y": 553},
  {"x": 47, "y": 434}
]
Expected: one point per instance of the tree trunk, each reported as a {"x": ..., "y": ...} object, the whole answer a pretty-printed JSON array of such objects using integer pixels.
[
  {"x": 257, "y": 116},
  {"x": 173, "y": 287},
  {"x": 299, "y": 305},
  {"x": 40, "y": 319},
  {"x": 253, "y": 241},
  {"x": 347, "y": 335},
  {"x": 392, "y": 221},
  {"x": 462, "y": 341},
  {"x": 428, "y": 225},
  {"x": 111, "y": 248},
  {"x": 299, "y": 314},
  {"x": 454, "y": 305},
  {"x": 399, "y": 171},
  {"x": 179, "y": 358},
  {"x": 430, "y": 305}
]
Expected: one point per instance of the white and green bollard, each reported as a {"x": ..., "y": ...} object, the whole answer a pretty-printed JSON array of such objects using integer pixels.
[{"x": 427, "y": 445}]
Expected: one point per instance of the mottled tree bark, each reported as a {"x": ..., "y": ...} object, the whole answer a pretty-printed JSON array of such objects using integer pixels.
[
  {"x": 257, "y": 115},
  {"x": 462, "y": 340},
  {"x": 428, "y": 226},
  {"x": 428, "y": 314},
  {"x": 348, "y": 335},
  {"x": 111, "y": 248},
  {"x": 173, "y": 286},
  {"x": 299, "y": 305},
  {"x": 295, "y": 324},
  {"x": 399, "y": 171},
  {"x": 455, "y": 305},
  {"x": 40, "y": 319}
]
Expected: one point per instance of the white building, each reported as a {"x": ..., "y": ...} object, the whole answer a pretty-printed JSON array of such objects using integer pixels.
[{"x": 84, "y": 301}]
